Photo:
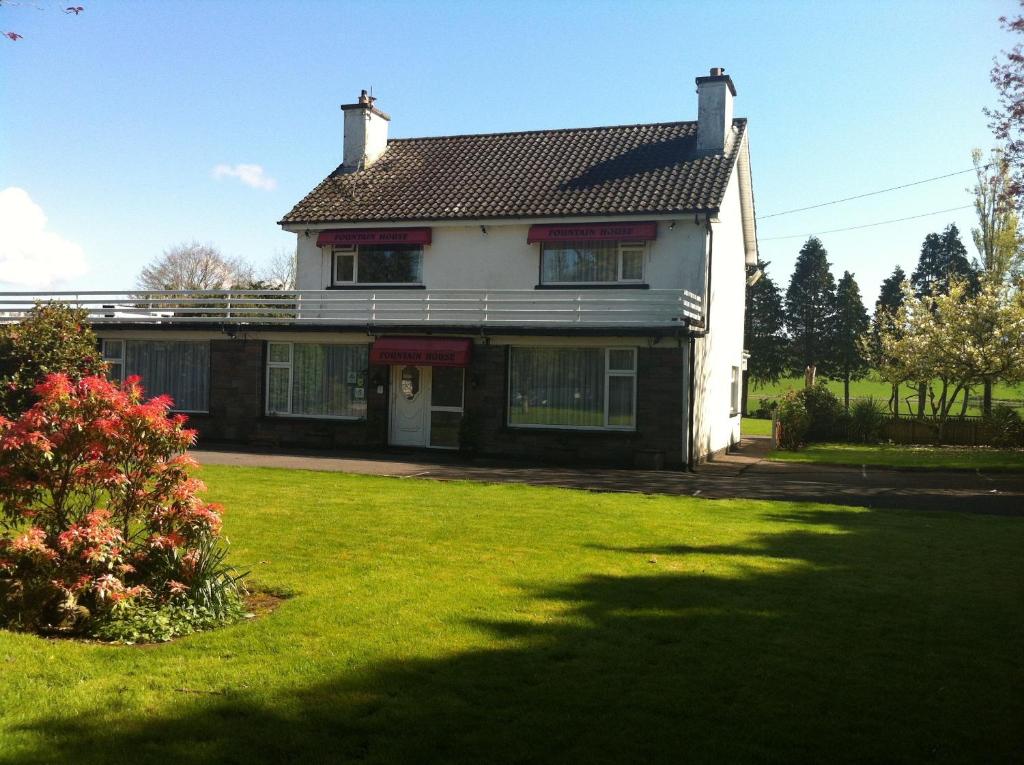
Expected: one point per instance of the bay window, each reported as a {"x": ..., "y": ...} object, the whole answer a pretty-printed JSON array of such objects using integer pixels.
[
  {"x": 176, "y": 368},
  {"x": 378, "y": 264},
  {"x": 317, "y": 380},
  {"x": 572, "y": 388},
  {"x": 592, "y": 262}
]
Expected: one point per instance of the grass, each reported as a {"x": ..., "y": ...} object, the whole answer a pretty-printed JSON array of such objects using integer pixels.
[
  {"x": 904, "y": 456},
  {"x": 872, "y": 387},
  {"x": 452, "y": 622},
  {"x": 751, "y": 426}
]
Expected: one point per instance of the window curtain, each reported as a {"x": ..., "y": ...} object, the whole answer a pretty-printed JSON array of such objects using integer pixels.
[
  {"x": 557, "y": 386},
  {"x": 325, "y": 379},
  {"x": 179, "y": 369},
  {"x": 580, "y": 262}
]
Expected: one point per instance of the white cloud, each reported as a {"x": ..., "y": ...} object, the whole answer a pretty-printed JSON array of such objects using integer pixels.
[
  {"x": 31, "y": 256},
  {"x": 251, "y": 175}
]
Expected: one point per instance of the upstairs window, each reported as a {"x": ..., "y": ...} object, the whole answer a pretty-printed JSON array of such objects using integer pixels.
[
  {"x": 378, "y": 264},
  {"x": 592, "y": 262}
]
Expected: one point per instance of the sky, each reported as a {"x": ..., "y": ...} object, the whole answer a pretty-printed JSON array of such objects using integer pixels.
[{"x": 134, "y": 126}]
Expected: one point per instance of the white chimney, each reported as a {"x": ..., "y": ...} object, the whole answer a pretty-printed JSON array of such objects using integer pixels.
[
  {"x": 714, "y": 111},
  {"x": 366, "y": 133}
]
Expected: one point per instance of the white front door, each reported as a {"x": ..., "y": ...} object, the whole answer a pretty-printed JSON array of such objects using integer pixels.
[{"x": 410, "y": 406}]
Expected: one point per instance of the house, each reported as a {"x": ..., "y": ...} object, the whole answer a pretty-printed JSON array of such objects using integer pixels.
[{"x": 570, "y": 295}]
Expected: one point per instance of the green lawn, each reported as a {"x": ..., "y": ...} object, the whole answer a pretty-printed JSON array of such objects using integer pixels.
[
  {"x": 872, "y": 387},
  {"x": 902, "y": 455},
  {"x": 751, "y": 426},
  {"x": 447, "y": 622}
]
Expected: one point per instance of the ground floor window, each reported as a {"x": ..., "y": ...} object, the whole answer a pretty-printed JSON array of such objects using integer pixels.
[
  {"x": 176, "y": 368},
  {"x": 573, "y": 387},
  {"x": 317, "y": 380}
]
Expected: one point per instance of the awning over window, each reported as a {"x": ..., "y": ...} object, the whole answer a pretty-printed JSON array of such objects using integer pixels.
[
  {"x": 560, "y": 232},
  {"x": 374, "y": 236},
  {"x": 422, "y": 351}
]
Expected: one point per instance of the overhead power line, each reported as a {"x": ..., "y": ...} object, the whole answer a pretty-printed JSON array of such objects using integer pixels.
[
  {"x": 865, "y": 225},
  {"x": 868, "y": 194}
]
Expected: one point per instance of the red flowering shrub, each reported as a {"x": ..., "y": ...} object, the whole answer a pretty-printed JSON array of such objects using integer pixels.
[{"x": 99, "y": 514}]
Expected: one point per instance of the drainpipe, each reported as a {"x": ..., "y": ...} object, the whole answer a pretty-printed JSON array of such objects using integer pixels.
[{"x": 691, "y": 460}]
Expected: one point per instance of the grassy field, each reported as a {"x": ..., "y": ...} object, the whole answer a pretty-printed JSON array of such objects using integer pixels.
[
  {"x": 872, "y": 387},
  {"x": 904, "y": 456},
  {"x": 450, "y": 622},
  {"x": 751, "y": 426}
]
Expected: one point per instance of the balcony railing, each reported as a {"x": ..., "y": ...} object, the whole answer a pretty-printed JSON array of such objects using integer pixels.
[{"x": 528, "y": 308}]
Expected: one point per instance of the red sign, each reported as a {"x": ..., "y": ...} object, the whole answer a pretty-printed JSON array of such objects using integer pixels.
[
  {"x": 422, "y": 351},
  {"x": 593, "y": 232},
  {"x": 374, "y": 236}
]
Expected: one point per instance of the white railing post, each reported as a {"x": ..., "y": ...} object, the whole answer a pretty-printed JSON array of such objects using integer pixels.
[
  {"x": 373, "y": 307},
  {"x": 487, "y": 307},
  {"x": 427, "y": 309},
  {"x": 227, "y": 301},
  {"x": 298, "y": 305},
  {"x": 579, "y": 308}
]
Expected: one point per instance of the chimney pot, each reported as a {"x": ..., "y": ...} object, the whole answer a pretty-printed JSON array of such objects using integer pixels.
[{"x": 716, "y": 71}]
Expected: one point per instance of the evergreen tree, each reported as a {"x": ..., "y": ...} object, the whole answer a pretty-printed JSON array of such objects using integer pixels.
[
  {"x": 943, "y": 257},
  {"x": 848, "y": 332},
  {"x": 890, "y": 298},
  {"x": 764, "y": 333},
  {"x": 810, "y": 309}
]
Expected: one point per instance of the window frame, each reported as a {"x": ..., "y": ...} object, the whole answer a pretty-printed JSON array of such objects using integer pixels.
[
  {"x": 608, "y": 373},
  {"x": 621, "y": 248},
  {"x": 352, "y": 251},
  {"x": 120, "y": 364},
  {"x": 112, "y": 361},
  {"x": 290, "y": 366}
]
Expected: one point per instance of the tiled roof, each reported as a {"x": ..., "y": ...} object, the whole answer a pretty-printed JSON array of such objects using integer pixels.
[{"x": 622, "y": 170}]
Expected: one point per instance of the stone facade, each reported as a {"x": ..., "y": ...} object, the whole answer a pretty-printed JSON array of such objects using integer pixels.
[{"x": 237, "y": 412}]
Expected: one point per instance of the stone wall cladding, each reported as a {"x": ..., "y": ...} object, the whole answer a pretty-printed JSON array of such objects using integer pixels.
[
  {"x": 237, "y": 406},
  {"x": 237, "y": 391}
]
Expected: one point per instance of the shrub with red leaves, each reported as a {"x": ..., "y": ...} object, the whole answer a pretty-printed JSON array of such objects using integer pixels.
[{"x": 99, "y": 511}]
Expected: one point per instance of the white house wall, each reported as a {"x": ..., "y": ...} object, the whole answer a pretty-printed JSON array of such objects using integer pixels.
[
  {"x": 721, "y": 349},
  {"x": 463, "y": 257}
]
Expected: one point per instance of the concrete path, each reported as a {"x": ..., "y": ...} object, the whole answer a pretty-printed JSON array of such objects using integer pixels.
[{"x": 743, "y": 474}]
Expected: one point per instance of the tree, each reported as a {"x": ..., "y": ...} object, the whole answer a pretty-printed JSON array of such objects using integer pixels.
[
  {"x": 764, "y": 332},
  {"x": 194, "y": 266},
  {"x": 14, "y": 36},
  {"x": 890, "y": 299},
  {"x": 943, "y": 259},
  {"x": 810, "y": 308},
  {"x": 1007, "y": 120},
  {"x": 280, "y": 272},
  {"x": 948, "y": 342},
  {"x": 848, "y": 333},
  {"x": 50, "y": 338},
  {"x": 998, "y": 235}
]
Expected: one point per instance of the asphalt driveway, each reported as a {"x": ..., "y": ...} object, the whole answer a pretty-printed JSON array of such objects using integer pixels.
[{"x": 744, "y": 474}]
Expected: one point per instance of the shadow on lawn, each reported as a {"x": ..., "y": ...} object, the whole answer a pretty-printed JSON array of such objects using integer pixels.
[{"x": 858, "y": 646}]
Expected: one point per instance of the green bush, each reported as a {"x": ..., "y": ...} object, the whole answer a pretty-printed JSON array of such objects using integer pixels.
[
  {"x": 824, "y": 412},
  {"x": 866, "y": 422},
  {"x": 1005, "y": 427},
  {"x": 794, "y": 421},
  {"x": 765, "y": 408},
  {"x": 51, "y": 338}
]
